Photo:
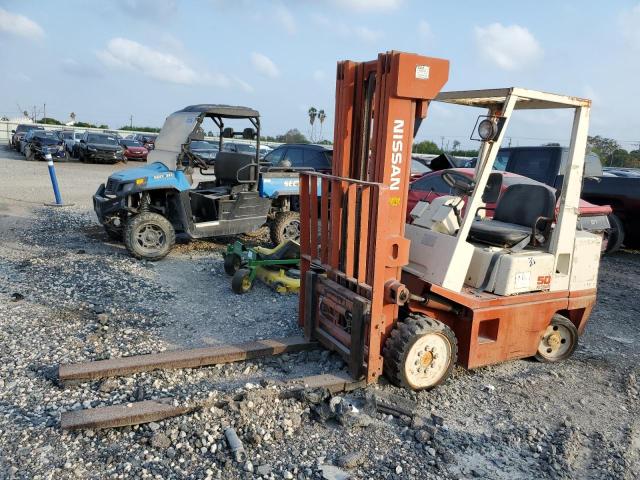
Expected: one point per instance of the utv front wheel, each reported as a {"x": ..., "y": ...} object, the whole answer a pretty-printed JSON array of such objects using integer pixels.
[
  {"x": 420, "y": 353},
  {"x": 149, "y": 236},
  {"x": 286, "y": 226}
]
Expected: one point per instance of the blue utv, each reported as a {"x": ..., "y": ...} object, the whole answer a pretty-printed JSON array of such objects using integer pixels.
[{"x": 147, "y": 206}]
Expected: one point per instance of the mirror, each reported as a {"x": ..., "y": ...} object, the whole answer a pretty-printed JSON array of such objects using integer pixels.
[
  {"x": 81, "y": 141},
  {"x": 227, "y": 132},
  {"x": 249, "y": 133},
  {"x": 13, "y": 131},
  {"x": 462, "y": 183}
]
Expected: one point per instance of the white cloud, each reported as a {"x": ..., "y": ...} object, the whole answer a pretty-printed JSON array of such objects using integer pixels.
[
  {"x": 122, "y": 53},
  {"x": 424, "y": 30},
  {"x": 19, "y": 25},
  {"x": 630, "y": 23},
  {"x": 368, "y": 5},
  {"x": 342, "y": 29},
  {"x": 285, "y": 18},
  {"x": 244, "y": 85},
  {"x": 509, "y": 47},
  {"x": 264, "y": 65}
]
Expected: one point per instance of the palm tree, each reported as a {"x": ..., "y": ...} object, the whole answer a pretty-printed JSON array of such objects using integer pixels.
[
  {"x": 321, "y": 117},
  {"x": 312, "y": 118}
]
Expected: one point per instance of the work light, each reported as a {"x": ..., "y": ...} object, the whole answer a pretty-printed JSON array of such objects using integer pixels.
[{"x": 487, "y": 129}]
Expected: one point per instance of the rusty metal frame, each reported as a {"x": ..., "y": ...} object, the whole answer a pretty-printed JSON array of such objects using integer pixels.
[{"x": 344, "y": 301}]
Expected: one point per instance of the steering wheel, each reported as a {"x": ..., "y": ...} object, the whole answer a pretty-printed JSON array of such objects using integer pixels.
[
  {"x": 461, "y": 183},
  {"x": 198, "y": 162}
]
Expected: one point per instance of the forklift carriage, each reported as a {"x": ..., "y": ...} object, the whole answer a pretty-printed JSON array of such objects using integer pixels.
[{"x": 453, "y": 286}]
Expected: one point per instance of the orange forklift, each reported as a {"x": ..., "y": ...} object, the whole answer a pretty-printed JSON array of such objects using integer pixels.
[{"x": 454, "y": 286}]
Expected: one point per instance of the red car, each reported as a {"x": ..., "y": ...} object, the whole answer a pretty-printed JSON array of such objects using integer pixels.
[
  {"x": 432, "y": 185},
  {"x": 134, "y": 150}
]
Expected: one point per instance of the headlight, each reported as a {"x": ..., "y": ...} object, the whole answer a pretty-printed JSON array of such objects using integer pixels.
[
  {"x": 92, "y": 149},
  {"x": 487, "y": 129}
]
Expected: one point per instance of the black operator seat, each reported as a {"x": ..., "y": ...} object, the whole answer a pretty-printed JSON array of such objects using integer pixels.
[
  {"x": 229, "y": 167},
  {"x": 520, "y": 210},
  {"x": 233, "y": 168}
]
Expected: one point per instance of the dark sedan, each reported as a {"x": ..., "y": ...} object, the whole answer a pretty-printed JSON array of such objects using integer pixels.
[
  {"x": 303, "y": 156},
  {"x": 207, "y": 151},
  {"x": 100, "y": 148}
]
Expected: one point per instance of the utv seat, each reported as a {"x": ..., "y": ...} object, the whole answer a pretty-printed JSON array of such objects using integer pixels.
[
  {"x": 233, "y": 169},
  {"x": 524, "y": 211}
]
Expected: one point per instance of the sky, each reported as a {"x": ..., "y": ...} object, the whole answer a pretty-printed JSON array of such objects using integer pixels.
[{"x": 110, "y": 60}]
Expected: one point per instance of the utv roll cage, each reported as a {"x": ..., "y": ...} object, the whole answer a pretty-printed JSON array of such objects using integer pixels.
[{"x": 218, "y": 113}]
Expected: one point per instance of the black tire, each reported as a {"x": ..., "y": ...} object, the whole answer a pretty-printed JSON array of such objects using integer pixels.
[
  {"x": 114, "y": 233},
  {"x": 149, "y": 236},
  {"x": 568, "y": 337},
  {"x": 232, "y": 262},
  {"x": 615, "y": 235},
  {"x": 240, "y": 282},
  {"x": 286, "y": 226},
  {"x": 399, "y": 346}
]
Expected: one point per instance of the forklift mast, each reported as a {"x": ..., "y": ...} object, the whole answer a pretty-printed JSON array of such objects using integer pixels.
[{"x": 352, "y": 239}]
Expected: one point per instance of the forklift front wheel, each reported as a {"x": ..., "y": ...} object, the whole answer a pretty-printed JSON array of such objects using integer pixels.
[
  {"x": 232, "y": 262},
  {"x": 420, "y": 353},
  {"x": 241, "y": 281},
  {"x": 558, "y": 341}
]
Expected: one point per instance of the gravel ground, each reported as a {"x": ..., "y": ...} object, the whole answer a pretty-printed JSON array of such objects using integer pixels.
[{"x": 67, "y": 294}]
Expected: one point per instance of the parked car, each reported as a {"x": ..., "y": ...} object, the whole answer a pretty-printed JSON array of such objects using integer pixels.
[
  {"x": 133, "y": 150},
  {"x": 42, "y": 142},
  {"x": 431, "y": 185},
  {"x": 308, "y": 156},
  {"x": 205, "y": 150},
  {"x": 70, "y": 139},
  {"x": 19, "y": 133},
  {"x": 99, "y": 148},
  {"x": 621, "y": 192},
  {"x": 147, "y": 140},
  {"x": 418, "y": 168},
  {"x": 239, "y": 147}
]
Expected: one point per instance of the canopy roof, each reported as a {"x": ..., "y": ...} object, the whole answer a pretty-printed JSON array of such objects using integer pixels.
[
  {"x": 527, "y": 99},
  {"x": 223, "y": 111}
]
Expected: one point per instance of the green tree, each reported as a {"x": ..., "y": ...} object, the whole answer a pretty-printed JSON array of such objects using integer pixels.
[
  {"x": 292, "y": 136},
  {"x": 426, "y": 146},
  {"x": 84, "y": 125},
  {"x": 49, "y": 121},
  {"x": 603, "y": 147},
  {"x": 134, "y": 128}
]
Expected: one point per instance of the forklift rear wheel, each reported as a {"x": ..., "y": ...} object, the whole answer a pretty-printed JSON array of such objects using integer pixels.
[
  {"x": 286, "y": 226},
  {"x": 232, "y": 262},
  {"x": 241, "y": 281},
  {"x": 558, "y": 341},
  {"x": 149, "y": 236},
  {"x": 420, "y": 353}
]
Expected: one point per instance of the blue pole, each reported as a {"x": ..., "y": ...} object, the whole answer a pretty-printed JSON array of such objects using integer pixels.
[{"x": 54, "y": 180}]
